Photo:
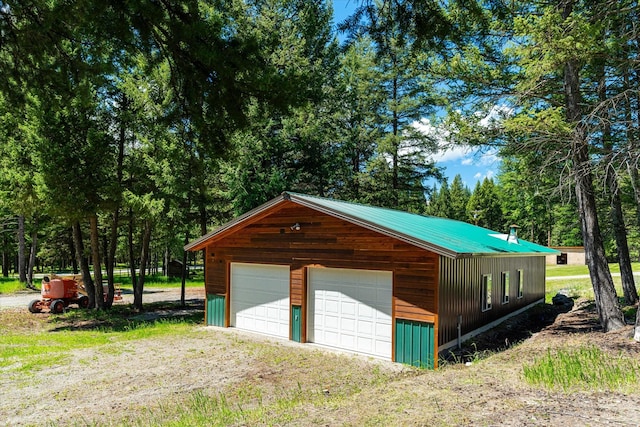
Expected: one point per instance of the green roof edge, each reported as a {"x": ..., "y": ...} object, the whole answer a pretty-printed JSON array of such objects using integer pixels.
[{"x": 328, "y": 206}]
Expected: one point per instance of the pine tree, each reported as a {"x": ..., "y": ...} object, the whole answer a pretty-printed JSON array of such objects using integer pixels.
[
  {"x": 459, "y": 195},
  {"x": 484, "y": 208}
]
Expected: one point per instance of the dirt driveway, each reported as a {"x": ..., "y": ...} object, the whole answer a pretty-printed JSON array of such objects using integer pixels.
[
  {"x": 302, "y": 385},
  {"x": 23, "y": 298}
]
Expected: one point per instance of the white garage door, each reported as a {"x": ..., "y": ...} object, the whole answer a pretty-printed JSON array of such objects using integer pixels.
[
  {"x": 260, "y": 298},
  {"x": 351, "y": 309}
]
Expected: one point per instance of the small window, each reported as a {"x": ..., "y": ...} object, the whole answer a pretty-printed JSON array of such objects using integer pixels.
[
  {"x": 505, "y": 287},
  {"x": 520, "y": 283},
  {"x": 486, "y": 292}
]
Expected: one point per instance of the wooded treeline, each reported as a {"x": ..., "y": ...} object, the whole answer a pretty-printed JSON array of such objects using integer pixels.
[{"x": 129, "y": 128}]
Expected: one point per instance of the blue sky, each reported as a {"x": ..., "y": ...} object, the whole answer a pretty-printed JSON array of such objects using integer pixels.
[{"x": 472, "y": 165}]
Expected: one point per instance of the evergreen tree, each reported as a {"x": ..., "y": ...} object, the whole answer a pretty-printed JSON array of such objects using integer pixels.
[
  {"x": 459, "y": 195},
  {"x": 357, "y": 97},
  {"x": 440, "y": 201},
  {"x": 397, "y": 173},
  {"x": 484, "y": 208}
]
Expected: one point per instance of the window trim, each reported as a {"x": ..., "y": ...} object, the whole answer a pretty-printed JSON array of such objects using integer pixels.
[
  {"x": 505, "y": 287},
  {"x": 485, "y": 292},
  {"x": 520, "y": 283}
]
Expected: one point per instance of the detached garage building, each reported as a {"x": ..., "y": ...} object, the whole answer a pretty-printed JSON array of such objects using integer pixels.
[{"x": 369, "y": 280}]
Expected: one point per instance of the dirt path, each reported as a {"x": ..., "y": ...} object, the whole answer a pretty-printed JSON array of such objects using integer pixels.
[
  {"x": 23, "y": 298},
  {"x": 105, "y": 383}
]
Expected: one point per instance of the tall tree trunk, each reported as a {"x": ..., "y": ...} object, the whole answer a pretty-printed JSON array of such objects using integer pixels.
[
  {"x": 184, "y": 272},
  {"x": 5, "y": 254},
  {"x": 609, "y": 312},
  {"x": 32, "y": 253},
  {"x": 132, "y": 258},
  {"x": 5, "y": 264},
  {"x": 636, "y": 333},
  {"x": 395, "y": 166},
  {"x": 78, "y": 243},
  {"x": 165, "y": 262},
  {"x": 620, "y": 232},
  {"x": 97, "y": 262},
  {"x": 617, "y": 217},
  {"x": 144, "y": 259},
  {"x": 635, "y": 184},
  {"x": 111, "y": 256},
  {"x": 108, "y": 302},
  {"x": 110, "y": 251},
  {"x": 22, "y": 264},
  {"x": 72, "y": 251}
]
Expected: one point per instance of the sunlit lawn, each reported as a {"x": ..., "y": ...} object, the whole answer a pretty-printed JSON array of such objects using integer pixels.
[
  {"x": 581, "y": 287},
  {"x": 160, "y": 281},
  {"x": 578, "y": 270},
  {"x": 9, "y": 285}
]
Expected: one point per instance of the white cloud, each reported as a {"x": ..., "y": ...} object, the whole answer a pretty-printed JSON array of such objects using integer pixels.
[
  {"x": 480, "y": 176},
  {"x": 487, "y": 158},
  {"x": 465, "y": 154},
  {"x": 496, "y": 114},
  {"x": 447, "y": 152}
]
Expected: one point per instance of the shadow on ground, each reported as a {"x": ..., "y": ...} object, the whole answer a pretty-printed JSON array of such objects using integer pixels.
[
  {"x": 124, "y": 317},
  {"x": 517, "y": 329}
]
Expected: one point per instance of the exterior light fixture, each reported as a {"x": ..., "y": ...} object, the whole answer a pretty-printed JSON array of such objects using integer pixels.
[{"x": 295, "y": 227}]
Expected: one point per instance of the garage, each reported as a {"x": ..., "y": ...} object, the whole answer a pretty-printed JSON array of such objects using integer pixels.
[
  {"x": 351, "y": 310},
  {"x": 260, "y": 298},
  {"x": 368, "y": 280}
]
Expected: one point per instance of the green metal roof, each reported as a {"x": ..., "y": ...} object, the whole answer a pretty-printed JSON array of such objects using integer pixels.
[
  {"x": 454, "y": 239},
  {"x": 444, "y": 236}
]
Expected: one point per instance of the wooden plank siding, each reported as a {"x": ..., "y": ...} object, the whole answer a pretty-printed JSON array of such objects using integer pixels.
[
  {"x": 460, "y": 291},
  {"x": 327, "y": 241}
]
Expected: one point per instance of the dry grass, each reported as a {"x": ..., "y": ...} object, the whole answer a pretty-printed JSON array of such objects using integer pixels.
[{"x": 210, "y": 376}]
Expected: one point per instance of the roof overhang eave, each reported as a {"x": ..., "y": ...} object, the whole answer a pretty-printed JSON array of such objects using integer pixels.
[{"x": 504, "y": 254}]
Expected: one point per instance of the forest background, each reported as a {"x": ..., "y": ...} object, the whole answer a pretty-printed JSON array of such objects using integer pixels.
[{"x": 128, "y": 129}]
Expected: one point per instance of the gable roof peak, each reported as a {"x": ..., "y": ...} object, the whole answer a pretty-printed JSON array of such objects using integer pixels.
[{"x": 447, "y": 237}]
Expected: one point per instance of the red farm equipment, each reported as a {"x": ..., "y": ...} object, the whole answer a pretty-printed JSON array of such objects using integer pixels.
[{"x": 57, "y": 294}]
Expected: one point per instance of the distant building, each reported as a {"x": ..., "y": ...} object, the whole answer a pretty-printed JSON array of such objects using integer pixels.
[
  {"x": 174, "y": 269},
  {"x": 569, "y": 255}
]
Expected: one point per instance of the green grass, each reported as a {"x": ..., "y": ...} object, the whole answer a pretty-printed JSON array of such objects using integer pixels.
[
  {"x": 202, "y": 409},
  {"x": 566, "y": 270},
  {"x": 160, "y": 281},
  {"x": 9, "y": 285},
  {"x": 576, "y": 288},
  {"x": 582, "y": 270},
  {"x": 26, "y": 352},
  {"x": 584, "y": 368}
]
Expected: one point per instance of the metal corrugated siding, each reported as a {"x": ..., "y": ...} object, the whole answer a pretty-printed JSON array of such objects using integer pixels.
[
  {"x": 414, "y": 343},
  {"x": 454, "y": 236},
  {"x": 215, "y": 310},
  {"x": 296, "y": 323},
  {"x": 459, "y": 293}
]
